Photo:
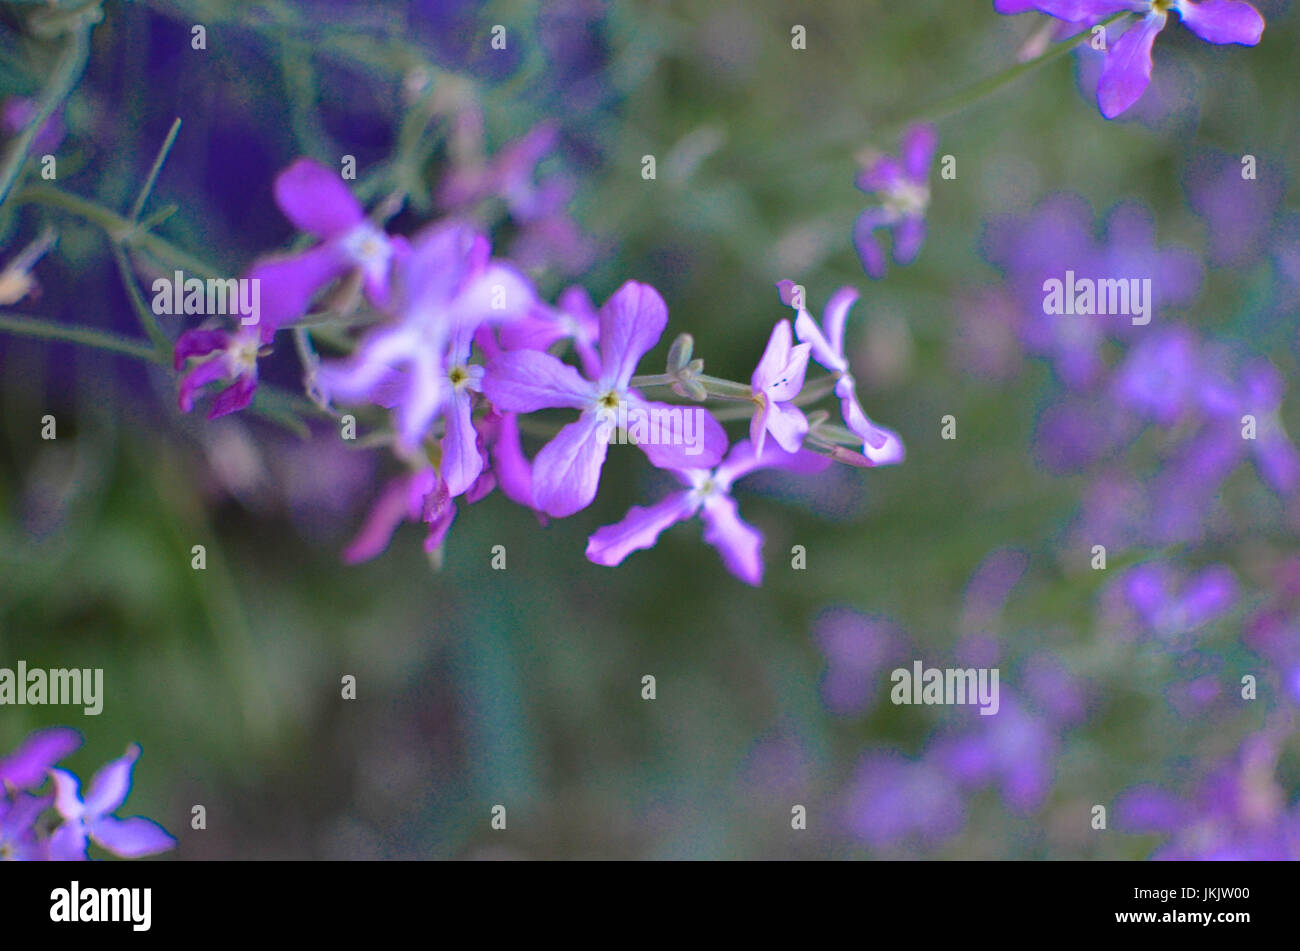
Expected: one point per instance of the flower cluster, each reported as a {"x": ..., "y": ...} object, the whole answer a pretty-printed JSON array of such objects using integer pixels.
[
  {"x": 25, "y": 833},
  {"x": 459, "y": 347}
]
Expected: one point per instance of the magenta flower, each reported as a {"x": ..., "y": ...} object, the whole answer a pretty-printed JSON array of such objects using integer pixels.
[
  {"x": 566, "y": 472},
  {"x": 315, "y": 199},
  {"x": 448, "y": 286},
  {"x": 903, "y": 189},
  {"x": 708, "y": 494},
  {"x": 1127, "y": 69},
  {"x": 27, "y": 766},
  {"x": 880, "y": 446},
  {"x": 776, "y": 381},
  {"x": 223, "y": 356},
  {"x": 92, "y": 818}
]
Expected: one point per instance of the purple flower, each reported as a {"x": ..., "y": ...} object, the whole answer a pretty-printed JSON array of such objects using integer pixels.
[
  {"x": 857, "y": 648},
  {"x": 902, "y": 186},
  {"x": 776, "y": 381},
  {"x": 27, "y": 766},
  {"x": 1013, "y": 749},
  {"x": 448, "y": 287},
  {"x": 1127, "y": 69},
  {"x": 567, "y": 470},
  {"x": 882, "y": 447},
  {"x": 1159, "y": 377},
  {"x": 1171, "y": 606},
  {"x": 893, "y": 801},
  {"x": 572, "y": 318},
  {"x": 92, "y": 818},
  {"x": 708, "y": 494},
  {"x": 223, "y": 356},
  {"x": 315, "y": 199}
]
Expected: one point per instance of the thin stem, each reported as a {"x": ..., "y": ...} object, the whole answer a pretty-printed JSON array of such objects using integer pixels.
[
  {"x": 161, "y": 157},
  {"x": 42, "y": 329},
  {"x": 972, "y": 94},
  {"x": 118, "y": 228},
  {"x": 62, "y": 81}
]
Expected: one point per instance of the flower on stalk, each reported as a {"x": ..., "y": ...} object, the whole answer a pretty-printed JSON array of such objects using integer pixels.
[
  {"x": 880, "y": 446},
  {"x": 708, "y": 494},
  {"x": 566, "y": 472},
  {"x": 1127, "y": 69},
  {"x": 902, "y": 186}
]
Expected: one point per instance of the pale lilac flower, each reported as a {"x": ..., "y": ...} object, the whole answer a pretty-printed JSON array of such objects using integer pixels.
[
  {"x": 567, "y": 470},
  {"x": 707, "y": 494},
  {"x": 92, "y": 819},
  {"x": 1128, "y": 62},
  {"x": 775, "y": 383},
  {"x": 880, "y": 446},
  {"x": 902, "y": 185},
  {"x": 28, "y": 766},
  {"x": 1159, "y": 377},
  {"x": 315, "y": 199},
  {"x": 1170, "y": 605},
  {"x": 222, "y": 357},
  {"x": 858, "y": 649},
  {"x": 447, "y": 284},
  {"x": 1013, "y": 749}
]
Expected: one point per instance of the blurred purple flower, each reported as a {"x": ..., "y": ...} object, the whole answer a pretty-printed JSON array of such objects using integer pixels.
[
  {"x": 858, "y": 648},
  {"x": 28, "y": 766},
  {"x": 1170, "y": 605},
  {"x": 1013, "y": 749},
  {"x": 902, "y": 187},
  {"x": 223, "y": 356},
  {"x": 893, "y": 801}
]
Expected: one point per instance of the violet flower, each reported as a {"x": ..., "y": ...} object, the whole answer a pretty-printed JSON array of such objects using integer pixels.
[
  {"x": 708, "y": 494},
  {"x": 567, "y": 470},
  {"x": 1171, "y": 606},
  {"x": 775, "y": 383},
  {"x": 415, "y": 497},
  {"x": 882, "y": 447},
  {"x": 1127, "y": 69},
  {"x": 446, "y": 284},
  {"x": 223, "y": 356},
  {"x": 19, "y": 841},
  {"x": 902, "y": 186},
  {"x": 92, "y": 819},
  {"x": 315, "y": 199},
  {"x": 572, "y": 318}
]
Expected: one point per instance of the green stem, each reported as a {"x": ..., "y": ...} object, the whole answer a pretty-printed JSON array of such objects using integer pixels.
[
  {"x": 62, "y": 81},
  {"x": 971, "y": 94},
  {"x": 161, "y": 157},
  {"x": 118, "y": 228},
  {"x": 42, "y": 329}
]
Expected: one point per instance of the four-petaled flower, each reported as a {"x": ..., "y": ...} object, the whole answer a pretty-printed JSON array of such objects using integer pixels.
[
  {"x": 567, "y": 470},
  {"x": 903, "y": 188},
  {"x": 708, "y": 494},
  {"x": 92, "y": 818}
]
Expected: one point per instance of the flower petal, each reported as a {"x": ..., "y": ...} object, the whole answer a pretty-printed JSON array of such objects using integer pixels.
[
  {"x": 917, "y": 148},
  {"x": 631, "y": 323},
  {"x": 287, "y": 284},
  {"x": 524, "y": 381},
  {"x": 461, "y": 460},
  {"x": 1127, "y": 69},
  {"x": 639, "y": 529},
  {"x": 377, "y": 531},
  {"x": 234, "y": 397},
  {"x": 1223, "y": 21},
  {"x": 909, "y": 235},
  {"x": 739, "y": 544},
  {"x": 315, "y": 199},
  {"x": 566, "y": 472},
  {"x": 694, "y": 439},
  {"x": 788, "y": 426},
  {"x": 130, "y": 838},
  {"x": 868, "y": 247},
  {"x": 111, "y": 784},
  {"x": 25, "y": 767}
]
